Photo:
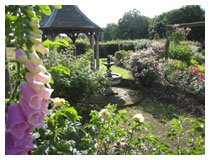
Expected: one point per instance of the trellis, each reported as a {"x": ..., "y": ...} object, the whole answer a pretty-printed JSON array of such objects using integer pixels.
[{"x": 170, "y": 28}]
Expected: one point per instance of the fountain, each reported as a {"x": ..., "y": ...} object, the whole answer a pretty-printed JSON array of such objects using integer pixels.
[{"x": 115, "y": 78}]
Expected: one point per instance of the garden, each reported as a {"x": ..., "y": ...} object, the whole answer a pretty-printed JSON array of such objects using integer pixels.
[{"x": 58, "y": 105}]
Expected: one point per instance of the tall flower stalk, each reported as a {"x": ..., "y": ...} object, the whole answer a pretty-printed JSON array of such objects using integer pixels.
[{"x": 25, "y": 116}]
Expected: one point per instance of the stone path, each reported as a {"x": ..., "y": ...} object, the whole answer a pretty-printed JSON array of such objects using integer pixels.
[{"x": 121, "y": 97}]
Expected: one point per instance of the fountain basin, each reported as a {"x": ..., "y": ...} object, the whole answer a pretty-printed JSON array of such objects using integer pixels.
[{"x": 114, "y": 79}]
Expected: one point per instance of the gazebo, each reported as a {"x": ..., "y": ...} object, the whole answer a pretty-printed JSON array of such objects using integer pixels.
[{"x": 71, "y": 21}]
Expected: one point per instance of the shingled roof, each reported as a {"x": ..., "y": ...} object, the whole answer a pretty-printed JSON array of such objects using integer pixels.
[{"x": 68, "y": 19}]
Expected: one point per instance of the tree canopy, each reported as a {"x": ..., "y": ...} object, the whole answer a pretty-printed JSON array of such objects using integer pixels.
[{"x": 133, "y": 25}]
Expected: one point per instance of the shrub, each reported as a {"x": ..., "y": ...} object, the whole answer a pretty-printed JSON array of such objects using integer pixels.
[
  {"x": 190, "y": 78},
  {"x": 144, "y": 67},
  {"x": 108, "y": 48},
  {"x": 73, "y": 79},
  {"x": 180, "y": 52},
  {"x": 121, "y": 55},
  {"x": 82, "y": 46},
  {"x": 108, "y": 138},
  {"x": 158, "y": 49},
  {"x": 156, "y": 36},
  {"x": 143, "y": 43},
  {"x": 199, "y": 57}
]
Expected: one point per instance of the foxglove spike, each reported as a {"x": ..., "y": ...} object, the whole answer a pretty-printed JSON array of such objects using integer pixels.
[
  {"x": 21, "y": 56},
  {"x": 30, "y": 95}
]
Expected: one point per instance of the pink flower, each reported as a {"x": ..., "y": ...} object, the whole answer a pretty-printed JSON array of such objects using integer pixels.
[
  {"x": 34, "y": 117},
  {"x": 42, "y": 77},
  {"x": 176, "y": 25},
  {"x": 185, "y": 69},
  {"x": 45, "y": 93},
  {"x": 40, "y": 48},
  {"x": 188, "y": 29},
  {"x": 33, "y": 83},
  {"x": 21, "y": 56},
  {"x": 192, "y": 73},
  {"x": 96, "y": 145},
  {"x": 30, "y": 95},
  {"x": 197, "y": 69},
  {"x": 18, "y": 147},
  {"x": 16, "y": 123},
  {"x": 43, "y": 69},
  {"x": 122, "y": 144},
  {"x": 201, "y": 76},
  {"x": 33, "y": 67},
  {"x": 33, "y": 57}
]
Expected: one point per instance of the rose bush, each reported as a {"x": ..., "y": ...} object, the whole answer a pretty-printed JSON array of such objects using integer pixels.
[{"x": 145, "y": 67}]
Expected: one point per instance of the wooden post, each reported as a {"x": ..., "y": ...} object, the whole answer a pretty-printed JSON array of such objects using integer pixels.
[
  {"x": 73, "y": 37},
  {"x": 90, "y": 35},
  {"x": 167, "y": 43},
  {"x": 93, "y": 55},
  {"x": 51, "y": 37},
  {"x": 97, "y": 51}
]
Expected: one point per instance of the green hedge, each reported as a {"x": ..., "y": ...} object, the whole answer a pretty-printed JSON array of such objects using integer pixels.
[{"x": 110, "y": 47}]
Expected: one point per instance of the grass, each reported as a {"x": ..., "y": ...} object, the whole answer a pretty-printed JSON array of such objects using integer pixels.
[
  {"x": 124, "y": 72},
  {"x": 158, "y": 115}
]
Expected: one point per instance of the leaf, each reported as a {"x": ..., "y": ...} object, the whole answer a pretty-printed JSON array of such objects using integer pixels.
[
  {"x": 45, "y": 9},
  {"x": 71, "y": 113},
  {"x": 61, "y": 68},
  {"x": 122, "y": 112},
  {"x": 57, "y": 6}
]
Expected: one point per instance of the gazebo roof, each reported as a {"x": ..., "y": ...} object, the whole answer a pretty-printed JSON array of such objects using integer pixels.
[{"x": 68, "y": 19}]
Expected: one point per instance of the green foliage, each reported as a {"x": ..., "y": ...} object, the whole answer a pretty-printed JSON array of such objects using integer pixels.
[
  {"x": 109, "y": 33},
  {"x": 73, "y": 79},
  {"x": 132, "y": 26},
  {"x": 82, "y": 46},
  {"x": 180, "y": 52},
  {"x": 186, "y": 14},
  {"x": 45, "y": 9},
  {"x": 195, "y": 136},
  {"x": 143, "y": 43},
  {"x": 60, "y": 135},
  {"x": 108, "y": 48},
  {"x": 108, "y": 135},
  {"x": 121, "y": 55},
  {"x": 156, "y": 36}
]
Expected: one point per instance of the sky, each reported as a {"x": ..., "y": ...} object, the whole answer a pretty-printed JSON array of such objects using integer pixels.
[{"x": 110, "y": 11}]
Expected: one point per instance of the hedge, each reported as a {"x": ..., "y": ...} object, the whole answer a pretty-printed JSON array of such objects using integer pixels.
[{"x": 110, "y": 47}]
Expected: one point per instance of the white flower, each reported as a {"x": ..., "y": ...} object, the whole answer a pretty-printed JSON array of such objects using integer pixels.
[
  {"x": 104, "y": 112},
  {"x": 58, "y": 102},
  {"x": 139, "y": 117}
]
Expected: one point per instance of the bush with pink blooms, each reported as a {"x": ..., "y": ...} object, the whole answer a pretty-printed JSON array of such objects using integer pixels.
[
  {"x": 190, "y": 78},
  {"x": 144, "y": 66},
  {"x": 179, "y": 34}
]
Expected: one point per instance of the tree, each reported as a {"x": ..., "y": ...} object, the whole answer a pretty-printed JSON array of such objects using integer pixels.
[
  {"x": 132, "y": 26},
  {"x": 186, "y": 14},
  {"x": 109, "y": 32}
]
